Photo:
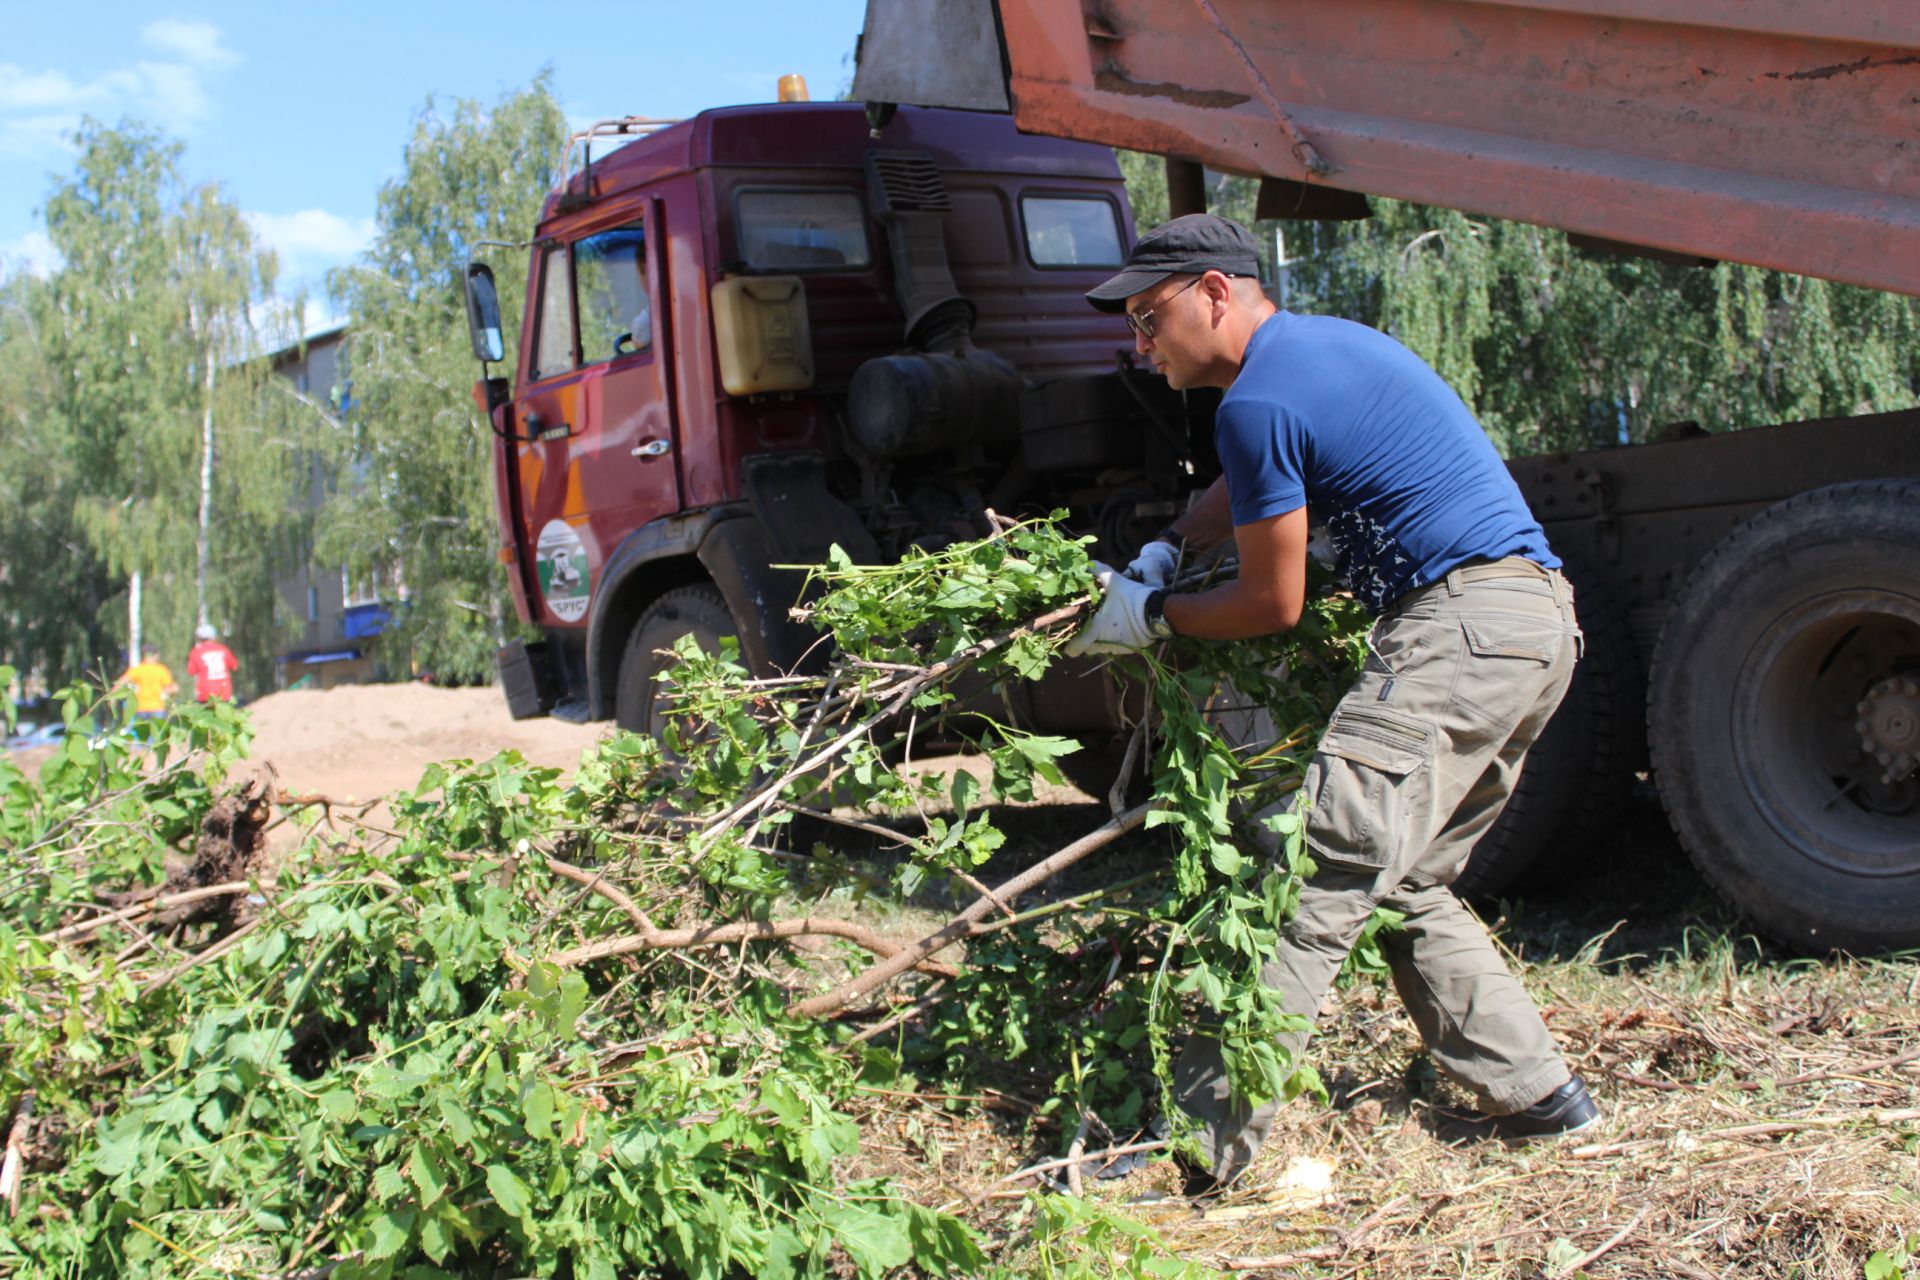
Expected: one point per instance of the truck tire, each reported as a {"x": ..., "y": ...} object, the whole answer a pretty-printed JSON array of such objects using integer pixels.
[
  {"x": 1579, "y": 774},
  {"x": 696, "y": 610},
  {"x": 1790, "y": 664}
]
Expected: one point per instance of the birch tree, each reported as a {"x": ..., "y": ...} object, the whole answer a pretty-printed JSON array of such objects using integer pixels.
[
  {"x": 159, "y": 464},
  {"x": 422, "y": 510}
]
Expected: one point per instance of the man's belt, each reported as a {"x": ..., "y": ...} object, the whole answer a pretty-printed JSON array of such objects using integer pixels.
[{"x": 1480, "y": 571}]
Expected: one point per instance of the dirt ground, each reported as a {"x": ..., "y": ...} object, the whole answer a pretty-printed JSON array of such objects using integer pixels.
[
  {"x": 358, "y": 742},
  {"x": 355, "y": 743}
]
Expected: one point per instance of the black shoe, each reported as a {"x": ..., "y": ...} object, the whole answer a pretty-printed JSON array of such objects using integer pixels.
[
  {"x": 1197, "y": 1187},
  {"x": 1568, "y": 1109},
  {"x": 1198, "y": 1184}
]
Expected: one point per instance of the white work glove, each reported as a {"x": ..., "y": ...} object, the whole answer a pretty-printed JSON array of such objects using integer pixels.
[
  {"x": 1155, "y": 564},
  {"x": 1120, "y": 624}
]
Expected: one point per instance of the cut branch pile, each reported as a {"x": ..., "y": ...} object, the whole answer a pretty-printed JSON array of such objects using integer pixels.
[{"x": 601, "y": 1024}]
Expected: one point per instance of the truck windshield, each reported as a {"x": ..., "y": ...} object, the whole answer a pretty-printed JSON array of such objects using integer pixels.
[
  {"x": 786, "y": 230},
  {"x": 1071, "y": 231}
]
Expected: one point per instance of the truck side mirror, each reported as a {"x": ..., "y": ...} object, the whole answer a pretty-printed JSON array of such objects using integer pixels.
[{"x": 483, "y": 314}]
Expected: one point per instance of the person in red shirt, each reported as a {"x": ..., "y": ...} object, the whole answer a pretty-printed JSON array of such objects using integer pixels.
[{"x": 211, "y": 664}]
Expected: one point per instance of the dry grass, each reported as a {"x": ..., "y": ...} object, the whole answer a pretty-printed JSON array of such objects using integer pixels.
[{"x": 1761, "y": 1117}]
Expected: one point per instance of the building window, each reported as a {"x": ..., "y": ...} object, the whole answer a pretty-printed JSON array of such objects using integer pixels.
[{"x": 313, "y": 604}]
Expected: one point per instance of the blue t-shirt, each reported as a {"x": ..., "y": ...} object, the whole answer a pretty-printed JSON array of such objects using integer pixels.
[{"x": 1343, "y": 419}]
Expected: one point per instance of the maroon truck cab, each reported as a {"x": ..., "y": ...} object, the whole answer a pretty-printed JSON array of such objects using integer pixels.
[{"x": 766, "y": 330}]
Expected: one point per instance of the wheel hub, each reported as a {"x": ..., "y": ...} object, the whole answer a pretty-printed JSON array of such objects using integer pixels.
[{"x": 1889, "y": 725}]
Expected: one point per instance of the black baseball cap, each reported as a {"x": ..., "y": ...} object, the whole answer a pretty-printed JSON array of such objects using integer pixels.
[{"x": 1188, "y": 245}]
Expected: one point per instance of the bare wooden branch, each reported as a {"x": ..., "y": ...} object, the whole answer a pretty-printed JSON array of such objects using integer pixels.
[
  {"x": 1048, "y": 1166},
  {"x": 127, "y": 914},
  {"x": 1580, "y": 1263},
  {"x": 961, "y": 926},
  {"x": 598, "y": 882},
  {"x": 212, "y": 953},
  {"x": 719, "y": 935},
  {"x": 12, "y": 1169},
  {"x": 898, "y": 698}
]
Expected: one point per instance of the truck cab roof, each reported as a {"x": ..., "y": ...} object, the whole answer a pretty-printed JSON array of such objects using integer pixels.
[{"x": 826, "y": 135}]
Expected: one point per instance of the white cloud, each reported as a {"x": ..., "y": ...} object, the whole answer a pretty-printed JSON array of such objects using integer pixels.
[
  {"x": 36, "y": 135},
  {"x": 32, "y": 253},
  {"x": 200, "y": 43},
  {"x": 37, "y": 89},
  {"x": 311, "y": 242},
  {"x": 40, "y": 107},
  {"x": 173, "y": 94},
  {"x": 312, "y": 233}
]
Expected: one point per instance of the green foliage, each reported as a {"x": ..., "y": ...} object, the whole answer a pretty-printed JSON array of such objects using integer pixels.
[
  {"x": 1892, "y": 1264},
  {"x": 1556, "y": 348},
  {"x": 117, "y": 372},
  {"x": 1079, "y": 1240},
  {"x": 1037, "y": 993},
  {"x": 384, "y": 1072},
  {"x": 435, "y": 1051},
  {"x": 1559, "y": 348},
  {"x": 424, "y": 510}
]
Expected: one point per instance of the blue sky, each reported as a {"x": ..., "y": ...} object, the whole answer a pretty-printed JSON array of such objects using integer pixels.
[{"x": 300, "y": 111}]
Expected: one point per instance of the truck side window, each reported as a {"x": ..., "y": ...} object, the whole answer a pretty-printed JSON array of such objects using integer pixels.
[
  {"x": 616, "y": 317},
  {"x": 1071, "y": 231},
  {"x": 553, "y": 352},
  {"x": 796, "y": 230}
]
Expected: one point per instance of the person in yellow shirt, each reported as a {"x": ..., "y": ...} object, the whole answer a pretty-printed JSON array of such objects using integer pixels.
[{"x": 152, "y": 684}]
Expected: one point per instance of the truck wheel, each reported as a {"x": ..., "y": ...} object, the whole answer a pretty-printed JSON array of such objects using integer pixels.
[
  {"x": 1785, "y": 714},
  {"x": 696, "y": 610},
  {"x": 1579, "y": 774}
]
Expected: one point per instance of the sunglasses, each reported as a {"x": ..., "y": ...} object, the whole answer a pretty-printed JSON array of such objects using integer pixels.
[{"x": 1142, "y": 323}]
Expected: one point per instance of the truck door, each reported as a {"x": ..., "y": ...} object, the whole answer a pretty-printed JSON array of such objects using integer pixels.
[{"x": 597, "y": 446}]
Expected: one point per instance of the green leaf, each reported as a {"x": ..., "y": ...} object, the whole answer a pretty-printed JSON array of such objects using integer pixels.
[
  {"x": 1226, "y": 859},
  {"x": 339, "y": 1105},
  {"x": 434, "y": 1240},
  {"x": 427, "y": 1175},
  {"x": 876, "y": 1241},
  {"x": 459, "y": 1121},
  {"x": 538, "y": 1110},
  {"x": 965, "y": 789},
  {"x": 389, "y": 1183},
  {"x": 508, "y": 1191},
  {"x": 389, "y": 1233}
]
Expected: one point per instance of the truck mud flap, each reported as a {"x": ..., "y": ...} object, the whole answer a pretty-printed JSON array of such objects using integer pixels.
[{"x": 739, "y": 559}]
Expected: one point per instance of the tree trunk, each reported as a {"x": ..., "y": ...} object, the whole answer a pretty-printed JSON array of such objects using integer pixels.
[
  {"x": 203, "y": 553},
  {"x": 133, "y": 618}
]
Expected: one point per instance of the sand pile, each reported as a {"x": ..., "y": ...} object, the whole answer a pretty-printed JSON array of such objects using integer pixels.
[{"x": 356, "y": 742}]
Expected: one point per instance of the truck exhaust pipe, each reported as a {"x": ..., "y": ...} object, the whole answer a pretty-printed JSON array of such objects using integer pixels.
[{"x": 946, "y": 392}]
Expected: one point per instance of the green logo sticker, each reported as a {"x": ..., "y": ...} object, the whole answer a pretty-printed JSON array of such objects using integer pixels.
[{"x": 565, "y": 579}]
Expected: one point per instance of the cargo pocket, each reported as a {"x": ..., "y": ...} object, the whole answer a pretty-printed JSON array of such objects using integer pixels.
[
  {"x": 1509, "y": 660},
  {"x": 1368, "y": 783}
]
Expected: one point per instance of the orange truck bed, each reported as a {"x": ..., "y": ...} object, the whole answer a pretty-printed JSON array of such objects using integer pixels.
[{"x": 1782, "y": 133}]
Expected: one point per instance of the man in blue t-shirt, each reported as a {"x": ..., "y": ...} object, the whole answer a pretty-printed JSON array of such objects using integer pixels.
[{"x": 1331, "y": 428}]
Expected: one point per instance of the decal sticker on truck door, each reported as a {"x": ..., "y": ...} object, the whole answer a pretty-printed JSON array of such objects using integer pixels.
[{"x": 565, "y": 579}]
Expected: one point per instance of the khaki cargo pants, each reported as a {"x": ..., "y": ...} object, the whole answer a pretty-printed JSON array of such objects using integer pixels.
[{"x": 1417, "y": 762}]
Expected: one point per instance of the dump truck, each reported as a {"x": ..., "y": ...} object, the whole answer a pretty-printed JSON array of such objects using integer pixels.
[{"x": 771, "y": 329}]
